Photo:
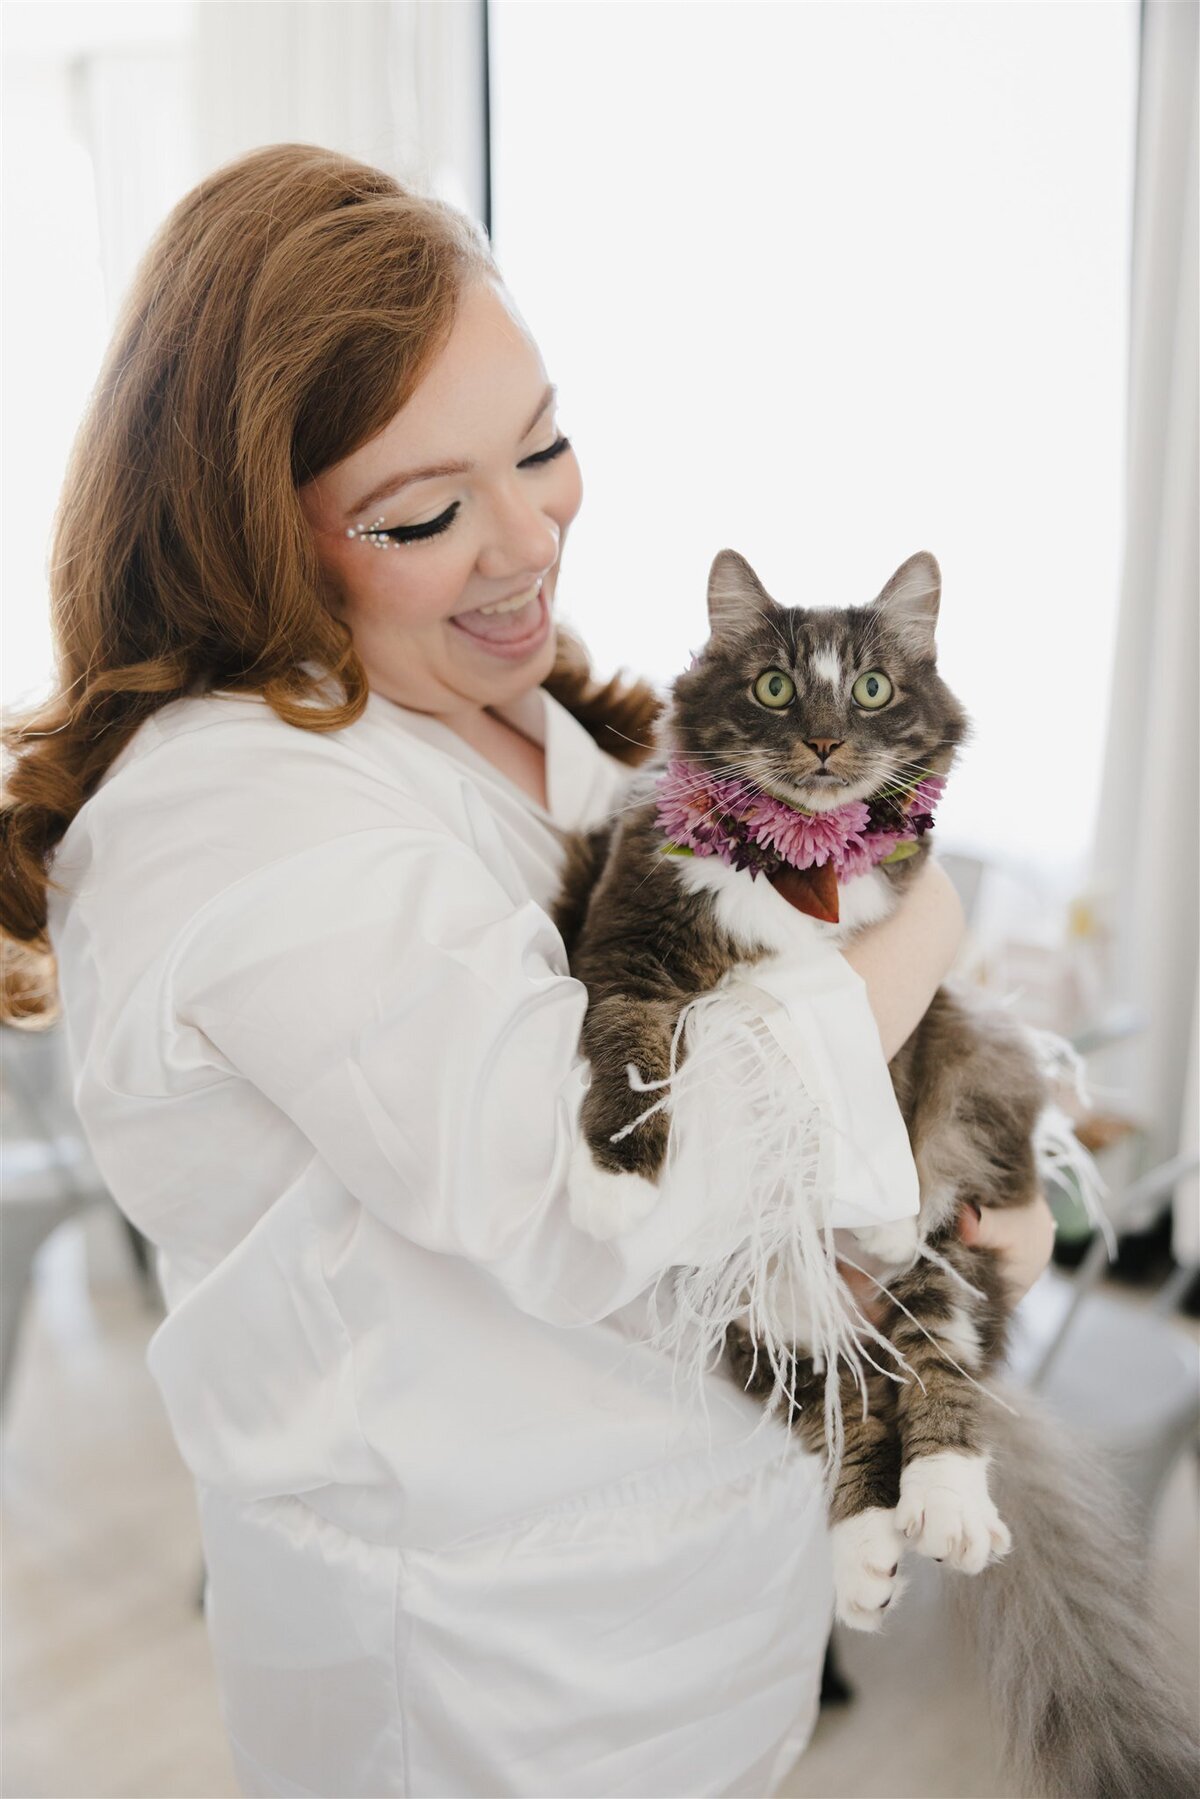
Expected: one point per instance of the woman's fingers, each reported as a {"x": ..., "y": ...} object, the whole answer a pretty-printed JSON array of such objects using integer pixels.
[
  {"x": 865, "y": 1291},
  {"x": 1023, "y": 1237}
]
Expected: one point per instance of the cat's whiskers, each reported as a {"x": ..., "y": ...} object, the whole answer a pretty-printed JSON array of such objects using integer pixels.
[
  {"x": 628, "y": 739},
  {"x": 904, "y": 773},
  {"x": 788, "y": 649}
]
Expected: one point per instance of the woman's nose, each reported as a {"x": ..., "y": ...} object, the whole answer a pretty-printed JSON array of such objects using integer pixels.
[{"x": 523, "y": 539}]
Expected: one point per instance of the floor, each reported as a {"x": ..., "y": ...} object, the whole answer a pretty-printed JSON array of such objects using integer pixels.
[{"x": 107, "y": 1684}]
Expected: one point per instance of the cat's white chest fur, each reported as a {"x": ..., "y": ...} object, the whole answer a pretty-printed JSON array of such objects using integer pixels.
[
  {"x": 758, "y": 917},
  {"x": 755, "y": 915}
]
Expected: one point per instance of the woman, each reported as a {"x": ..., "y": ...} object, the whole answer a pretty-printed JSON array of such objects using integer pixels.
[{"x": 301, "y": 794}]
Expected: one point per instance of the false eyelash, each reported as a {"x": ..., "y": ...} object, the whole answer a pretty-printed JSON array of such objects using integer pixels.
[
  {"x": 381, "y": 536},
  {"x": 414, "y": 533},
  {"x": 556, "y": 449},
  {"x": 390, "y": 537}
]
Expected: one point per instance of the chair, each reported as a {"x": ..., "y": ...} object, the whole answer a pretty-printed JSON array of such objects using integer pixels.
[
  {"x": 47, "y": 1174},
  {"x": 1120, "y": 1371}
]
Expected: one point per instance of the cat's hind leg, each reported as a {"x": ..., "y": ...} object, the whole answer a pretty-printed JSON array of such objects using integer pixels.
[
  {"x": 948, "y": 1341},
  {"x": 866, "y": 1545},
  {"x": 864, "y": 1534}
]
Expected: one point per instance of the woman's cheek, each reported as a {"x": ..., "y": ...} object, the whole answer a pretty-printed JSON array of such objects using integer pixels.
[
  {"x": 425, "y": 589},
  {"x": 570, "y": 498}
]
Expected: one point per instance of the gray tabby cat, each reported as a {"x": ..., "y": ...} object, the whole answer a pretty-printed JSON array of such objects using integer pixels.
[{"x": 817, "y": 708}]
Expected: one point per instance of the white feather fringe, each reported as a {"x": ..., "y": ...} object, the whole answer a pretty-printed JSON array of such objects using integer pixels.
[
  {"x": 1059, "y": 1154},
  {"x": 745, "y": 1130}
]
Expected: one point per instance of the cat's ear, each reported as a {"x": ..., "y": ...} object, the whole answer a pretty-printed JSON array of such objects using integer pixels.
[
  {"x": 910, "y": 601},
  {"x": 737, "y": 598}
]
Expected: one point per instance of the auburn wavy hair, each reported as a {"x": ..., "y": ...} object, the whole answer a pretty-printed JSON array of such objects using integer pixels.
[{"x": 282, "y": 314}]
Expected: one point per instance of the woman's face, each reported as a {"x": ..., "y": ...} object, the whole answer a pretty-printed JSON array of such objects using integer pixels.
[{"x": 477, "y": 486}]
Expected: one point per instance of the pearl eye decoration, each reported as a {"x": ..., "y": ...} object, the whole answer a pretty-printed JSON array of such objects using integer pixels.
[
  {"x": 373, "y": 534},
  {"x": 774, "y": 689},
  {"x": 872, "y": 690}
]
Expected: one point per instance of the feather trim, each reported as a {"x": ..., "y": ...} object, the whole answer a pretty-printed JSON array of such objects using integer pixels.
[
  {"x": 1059, "y": 1154},
  {"x": 746, "y": 1130}
]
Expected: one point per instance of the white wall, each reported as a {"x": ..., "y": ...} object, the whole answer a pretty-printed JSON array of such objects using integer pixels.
[{"x": 832, "y": 283}]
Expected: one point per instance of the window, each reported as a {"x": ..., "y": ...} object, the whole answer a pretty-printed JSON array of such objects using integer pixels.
[{"x": 831, "y": 284}]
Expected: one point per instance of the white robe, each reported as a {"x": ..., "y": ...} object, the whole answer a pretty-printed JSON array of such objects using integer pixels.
[{"x": 461, "y": 1538}]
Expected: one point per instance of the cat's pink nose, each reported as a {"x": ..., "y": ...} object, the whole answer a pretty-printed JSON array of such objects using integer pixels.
[{"x": 824, "y": 746}]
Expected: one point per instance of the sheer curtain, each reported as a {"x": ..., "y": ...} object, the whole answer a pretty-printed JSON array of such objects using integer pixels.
[
  {"x": 111, "y": 112},
  {"x": 398, "y": 83},
  {"x": 1146, "y": 845}
]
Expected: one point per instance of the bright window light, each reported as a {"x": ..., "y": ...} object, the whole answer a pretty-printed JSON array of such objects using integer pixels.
[{"x": 832, "y": 283}]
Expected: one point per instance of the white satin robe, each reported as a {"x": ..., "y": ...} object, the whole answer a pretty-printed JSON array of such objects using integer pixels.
[{"x": 460, "y": 1539}]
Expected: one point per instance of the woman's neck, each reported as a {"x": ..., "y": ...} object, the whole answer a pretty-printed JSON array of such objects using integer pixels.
[{"x": 506, "y": 748}]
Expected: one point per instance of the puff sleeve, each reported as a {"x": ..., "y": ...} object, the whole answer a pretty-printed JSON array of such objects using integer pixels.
[{"x": 420, "y": 1028}]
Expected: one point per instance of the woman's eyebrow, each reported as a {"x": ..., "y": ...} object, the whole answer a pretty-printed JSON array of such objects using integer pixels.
[{"x": 394, "y": 483}]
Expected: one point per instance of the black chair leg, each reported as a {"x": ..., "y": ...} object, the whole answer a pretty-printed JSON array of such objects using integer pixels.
[
  {"x": 139, "y": 1248},
  {"x": 835, "y": 1688}
]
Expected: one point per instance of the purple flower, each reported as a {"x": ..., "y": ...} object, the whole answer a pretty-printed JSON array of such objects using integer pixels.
[{"x": 747, "y": 828}]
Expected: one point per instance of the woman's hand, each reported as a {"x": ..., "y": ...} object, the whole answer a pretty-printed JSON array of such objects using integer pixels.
[
  {"x": 904, "y": 959},
  {"x": 1022, "y": 1236}
]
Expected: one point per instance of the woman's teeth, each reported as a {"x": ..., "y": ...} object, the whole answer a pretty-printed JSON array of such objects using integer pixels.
[
  {"x": 513, "y": 627},
  {"x": 513, "y": 605}
]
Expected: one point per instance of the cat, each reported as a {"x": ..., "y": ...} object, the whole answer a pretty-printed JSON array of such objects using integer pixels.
[{"x": 791, "y": 712}]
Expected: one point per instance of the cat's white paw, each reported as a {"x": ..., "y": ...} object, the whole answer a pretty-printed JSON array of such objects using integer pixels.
[
  {"x": 603, "y": 1204},
  {"x": 894, "y": 1244},
  {"x": 946, "y": 1511},
  {"x": 866, "y": 1567}
]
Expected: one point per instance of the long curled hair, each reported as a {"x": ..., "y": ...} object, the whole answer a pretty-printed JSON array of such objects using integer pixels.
[{"x": 283, "y": 313}]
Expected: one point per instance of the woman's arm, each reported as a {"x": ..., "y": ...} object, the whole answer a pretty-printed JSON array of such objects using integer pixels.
[
  {"x": 902, "y": 962},
  {"x": 905, "y": 959}
]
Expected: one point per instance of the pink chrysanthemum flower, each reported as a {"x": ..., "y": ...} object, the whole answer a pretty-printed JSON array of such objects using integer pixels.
[
  {"x": 926, "y": 794},
  {"x": 809, "y": 839},
  {"x": 865, "y": 853},
  {"x": 690, "y": 805},
  {"x": 730, "y": 818}
]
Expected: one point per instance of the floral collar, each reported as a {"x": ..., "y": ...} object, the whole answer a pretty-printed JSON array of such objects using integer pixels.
[{"x": 803, "y": 854}]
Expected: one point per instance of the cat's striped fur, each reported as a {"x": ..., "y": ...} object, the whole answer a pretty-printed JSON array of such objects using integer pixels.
[{"x": 647, "y": 933}]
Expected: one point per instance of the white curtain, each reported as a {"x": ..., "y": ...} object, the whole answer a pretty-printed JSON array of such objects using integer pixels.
[
  {"x": 1146, "y": 849},
  {"x": 398, "y": 83},
  {"x": 132, "y": 110}
]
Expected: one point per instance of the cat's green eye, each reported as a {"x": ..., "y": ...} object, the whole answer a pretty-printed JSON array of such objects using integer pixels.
[
  {"x": 872, "y": 689},
  {"x": 774, "y": 688}
]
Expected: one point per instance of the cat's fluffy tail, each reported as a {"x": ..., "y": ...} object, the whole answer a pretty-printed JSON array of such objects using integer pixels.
[{"x": 1078, "y": 1673}]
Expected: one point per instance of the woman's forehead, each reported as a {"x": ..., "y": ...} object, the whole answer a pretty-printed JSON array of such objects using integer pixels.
[{"x": 481, "y": 392}]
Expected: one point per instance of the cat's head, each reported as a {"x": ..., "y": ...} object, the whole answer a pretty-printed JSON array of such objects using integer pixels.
[{"x": 818, "y": 705}]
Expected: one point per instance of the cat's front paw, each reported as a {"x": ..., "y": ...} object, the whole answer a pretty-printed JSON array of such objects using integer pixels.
[
  {"x": 894, "y": 1244},
  {"x": 946, "y": 1511},
  {"x": 606, "y": 1204},
  {"x": 866, "y": 1567}
]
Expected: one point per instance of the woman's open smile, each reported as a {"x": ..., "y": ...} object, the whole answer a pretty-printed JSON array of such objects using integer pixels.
[{"x": 512, "y": 628}]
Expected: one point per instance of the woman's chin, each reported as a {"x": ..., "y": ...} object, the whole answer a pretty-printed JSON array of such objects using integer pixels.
[{"x": 507, "y": 681}]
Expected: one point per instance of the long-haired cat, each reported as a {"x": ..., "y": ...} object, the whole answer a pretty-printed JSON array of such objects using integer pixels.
[{"x": 792, "y": 723}]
